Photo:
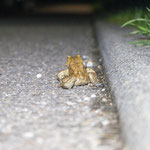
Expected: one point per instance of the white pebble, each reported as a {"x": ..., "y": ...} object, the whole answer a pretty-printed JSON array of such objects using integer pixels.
[
  {"x": 86, "y": 98},
  {"x": 103, "y": 89},
  {"x": 25, "y": 109},
  {"x": 100, "y": 60},
  {"x": 84, "y": 57},
  {"x": 98, "y": 84},
  {"x": 39, "y": 140},
  {"x": 105, "y": 122},
  {"x": 89, "y": 63},
  {"x": 80, "y": 100},
  {"x": 99, "y": 67},
  {"x": 93, "y": 95},
  {"x": 104, "y": 99},
  {"x": 3, "y": 121},
  {"x": 43, "y": 103},
  {"x": 70, "y": 103},
  {"x": 39, "y": 75},
  {"x": 28, "y": 134},
  {"x": 7, "y": 129}
]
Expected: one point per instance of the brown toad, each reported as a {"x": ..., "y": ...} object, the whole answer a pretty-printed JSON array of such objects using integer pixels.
[{"x": 76, "y": 74}]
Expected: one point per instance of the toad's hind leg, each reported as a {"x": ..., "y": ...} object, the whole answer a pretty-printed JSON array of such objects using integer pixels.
[
  {"x": 62, "y": 74},
  {"x": 68, "y": 82},
  {"x": 92, "y": 75}
]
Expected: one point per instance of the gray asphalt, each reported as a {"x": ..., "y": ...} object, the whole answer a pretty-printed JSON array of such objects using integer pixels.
[
  {"x": 128, "y": 70},
  {"x": 36, "y": 114}
]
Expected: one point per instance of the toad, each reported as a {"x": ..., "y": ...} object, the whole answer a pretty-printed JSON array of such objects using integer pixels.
[{"x": 76, "y": 74}]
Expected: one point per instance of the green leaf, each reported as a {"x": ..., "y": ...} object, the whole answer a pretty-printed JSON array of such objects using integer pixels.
[
  {"x": 148, "y": 9},
  {"x": 141, "y": 28},
  {"x": 140, "y": 43},
  {"x": 131, "y": 21},
  {"x": 134, "y": 32}
]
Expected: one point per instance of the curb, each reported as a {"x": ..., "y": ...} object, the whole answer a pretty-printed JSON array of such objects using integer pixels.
[{"x": 128, "y": 70}]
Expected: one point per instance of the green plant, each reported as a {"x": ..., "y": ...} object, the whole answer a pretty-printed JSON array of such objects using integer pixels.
[{"x": 143, "y": 26}]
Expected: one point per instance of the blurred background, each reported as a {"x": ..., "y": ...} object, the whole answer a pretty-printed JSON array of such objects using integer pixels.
[{"x": 33, "y": 7}]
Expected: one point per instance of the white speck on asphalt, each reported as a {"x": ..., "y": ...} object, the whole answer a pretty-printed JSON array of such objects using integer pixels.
[
  {"x": 39, "y": 140},
  {"x": 93, "y": 95},
  {"x": 2, "y": 121},
  {"x": 28, "y": 134},
  {"x": 80, "y": 100},
  {"x": 84, "y": 57},
  {"x": 25, "y": 109},
  {"x": 43, "y": 103},
  {"x": 103, "y": 89},
  {"x": 70, "y": 103},
  {"x": 100, "y": 60},
  {"x": 7, "y": 129},
  {"x": 39, "y": 75},
  {"x": 89, "y": 63},
  {"x": 111, "y": 104},
  {"x": 104, "y": 99},
  {"x": 105, "y": 122},
  {"x": 98, "y": 84},
  {"x": 99, "y": 67},
  {"x": 86, "y": 98}
]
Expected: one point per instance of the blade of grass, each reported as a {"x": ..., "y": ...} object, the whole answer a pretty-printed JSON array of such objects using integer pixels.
[
  {"x": 135, "y": 32},
  {"x": 131, "y": 21},
  {"x": 140, "y": 27},
  {"x": 140, "y": 43},
  {"x": 148, "y": 9}
]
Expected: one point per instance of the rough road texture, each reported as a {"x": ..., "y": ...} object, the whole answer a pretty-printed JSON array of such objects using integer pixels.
[
  {"x": 128, "y": 70},
  {"x": 36, "y": 114}
]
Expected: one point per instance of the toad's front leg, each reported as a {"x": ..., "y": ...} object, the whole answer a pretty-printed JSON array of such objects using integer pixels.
[
  {"x": 62, "y": 74},
  {"x": 92, "y": 75},
  {"x": 68, "y": 82}
]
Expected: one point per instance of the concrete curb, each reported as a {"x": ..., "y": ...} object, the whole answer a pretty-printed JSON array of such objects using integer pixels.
[{"x": 128, "y": 70}]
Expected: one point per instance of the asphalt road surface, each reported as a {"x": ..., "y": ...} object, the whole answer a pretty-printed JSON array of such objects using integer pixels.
[{"x": 36, "y": 114}]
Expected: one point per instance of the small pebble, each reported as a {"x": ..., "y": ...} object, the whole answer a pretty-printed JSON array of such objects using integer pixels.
[
  {"x": 98, "y": 84},
  {"x": 93, "y": 95},
  {"x": 104, "y": 99},
  {"x": 99, "y": 67},
  {"x": 103, "y": 89},
  {"x": 84, "y": 57},
  {"x": 7, "y": 129},
  {"x": 70, "y": 103},
  {"x": 28, "y": 134},
  {"x": 39, "y": 75},
  {"x": 37, "y": 102},
  {"x": 86, "y": 98},
  {"x": 100, "y": 60},
  {"x": 111, "y": 104},
  {"x": 43, "y": 103},
  {"x": 25, "y": 109},
  {"x": 80, "y": 100},
  {"x": 105, "y": 122},
  {"x": 2, "y": 121},
  {"x": 39, "y": 140},
  {"x": 89, "y": 63}
]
